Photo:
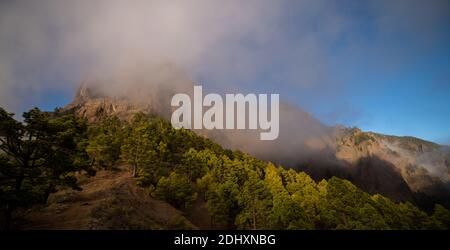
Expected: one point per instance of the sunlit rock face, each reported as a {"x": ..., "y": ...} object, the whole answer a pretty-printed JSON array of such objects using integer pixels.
[
  {"x": 390, "y": 162},
  {"x": 95, "y": 106}
]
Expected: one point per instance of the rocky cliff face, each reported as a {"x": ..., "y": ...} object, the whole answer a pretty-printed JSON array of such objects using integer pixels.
[
  {"x": 402, "y": 168},
  {"x": 352, "y": 144},
  {"x": 93, "y": 105}
]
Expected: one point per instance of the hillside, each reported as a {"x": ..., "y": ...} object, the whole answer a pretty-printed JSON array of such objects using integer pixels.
[
  {"x": 401, "y": 168},
  {"x": 109, "y": 200},
  {"x": 211, "y": 186}
]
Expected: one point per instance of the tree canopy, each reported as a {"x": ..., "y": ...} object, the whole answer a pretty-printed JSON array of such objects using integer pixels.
[
  {"x": 37, "y": 156},
  {"x": 43, "y": 153}
]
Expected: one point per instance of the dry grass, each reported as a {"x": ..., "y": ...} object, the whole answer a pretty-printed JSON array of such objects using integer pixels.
[{"x": 109, "y": 200}]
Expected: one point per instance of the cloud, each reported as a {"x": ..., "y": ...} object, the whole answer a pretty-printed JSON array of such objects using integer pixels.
[{"x": 302, "y": 49}]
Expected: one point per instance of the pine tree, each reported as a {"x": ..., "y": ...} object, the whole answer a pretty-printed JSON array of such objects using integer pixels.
[
  {"x": 105, "y": 141},
  {"x": 442, "y": 217},
  {"x": 286, "y": 213},
  {"x": 177, "y": 190},
  {"x": 38, "y": 156},
  {"x": 138, "y": 148},
  {"x": 255, "y": 201}
]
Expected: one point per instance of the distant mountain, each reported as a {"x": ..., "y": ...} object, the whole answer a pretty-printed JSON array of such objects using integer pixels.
[{"x": 402, "y": 168}]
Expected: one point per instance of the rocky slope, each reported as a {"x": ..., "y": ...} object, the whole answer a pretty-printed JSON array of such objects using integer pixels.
[{"x": 406, "y": 168}]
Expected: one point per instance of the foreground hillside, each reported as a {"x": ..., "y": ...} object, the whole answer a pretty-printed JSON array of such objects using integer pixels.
[{"x": 109, "y": 200}]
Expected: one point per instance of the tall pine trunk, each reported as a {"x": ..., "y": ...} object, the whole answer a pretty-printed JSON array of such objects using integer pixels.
[{"x": 134, "y": 170}]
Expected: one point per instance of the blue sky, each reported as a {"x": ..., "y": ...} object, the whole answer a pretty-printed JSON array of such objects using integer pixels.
[
  {"x": 399, "y": 82},
  {"x": 383, "y": 66}
]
